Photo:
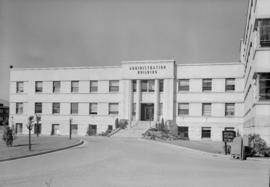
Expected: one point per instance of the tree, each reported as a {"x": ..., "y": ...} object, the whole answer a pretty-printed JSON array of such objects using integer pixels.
[{"x": 38, "y": 119}]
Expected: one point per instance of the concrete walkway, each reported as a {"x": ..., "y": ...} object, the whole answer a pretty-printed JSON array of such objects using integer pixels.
[{"x": 132, "y": 162}]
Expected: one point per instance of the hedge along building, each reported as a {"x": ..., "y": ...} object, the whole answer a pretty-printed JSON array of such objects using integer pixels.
[{"x": 200, "y": 99}]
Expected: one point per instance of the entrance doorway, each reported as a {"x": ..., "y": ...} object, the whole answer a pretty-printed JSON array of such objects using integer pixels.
[{"x": 147, "y": 112}]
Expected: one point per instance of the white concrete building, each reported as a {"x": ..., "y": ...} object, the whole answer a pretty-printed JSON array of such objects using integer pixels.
[{"x": 201, "y": 99}]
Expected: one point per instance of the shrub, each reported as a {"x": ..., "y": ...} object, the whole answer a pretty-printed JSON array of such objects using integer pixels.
[
  {"x": 123, "y": 123},
  {"x": 258, "y": 144}
]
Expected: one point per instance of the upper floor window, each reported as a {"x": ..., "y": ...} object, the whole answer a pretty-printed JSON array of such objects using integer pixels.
[
  {"x": 183, "y": 109},
  {"x": 183, "y": 85},
  {"x": 38, "y": 86},
  {"x": 19, "y": 108},
  {"x": 113, "y": 108},
  {"x": 93, "y": 86},
  {"x": 74, "y": 108},
  {"x": 264, "y": 25},
  {"x": 230, "y": 84},
  {"x": 56, "y": 108},
  {"x": 206, "y": 84},
  {"x": 56, "y": 86},
  {"x": 229, "y": 109},
  {"x": 147, "y": 85},
  {"x": 74, "y": 86},
  {"x": 114, "y": 86},
  {"x": 134, "y": 85},
  {"x": 92, "y": 108},
  {"x": 38, "y": 108},
  {"x": 19, "y": 87},
  {"x": 206, "y": 109},
  {"x": 161, "y": 85},
  {"x": 264, "y": 86}
]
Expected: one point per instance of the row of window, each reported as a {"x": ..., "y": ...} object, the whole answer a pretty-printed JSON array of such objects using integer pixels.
[
  {"x": 183, "y": 109},
  {"x": 74, "y": 108},
  {"x": 55, "y": 129},
  {"x": 205, "y": 131},
  {"x": 183, "y": 84},
  {"x": 74, "y": 86},
  {"x": 146, "y": 85}
]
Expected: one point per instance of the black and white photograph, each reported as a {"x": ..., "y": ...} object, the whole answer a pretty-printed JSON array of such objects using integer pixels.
[{"x": 135, "y": 93}]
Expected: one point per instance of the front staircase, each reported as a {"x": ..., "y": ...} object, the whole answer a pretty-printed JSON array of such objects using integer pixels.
[{"x": 135, "y": 129}]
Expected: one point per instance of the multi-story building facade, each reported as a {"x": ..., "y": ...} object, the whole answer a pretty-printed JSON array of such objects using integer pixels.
[
  {"x": 255, "y": 55},
  {"x": 202, "y": 100}
]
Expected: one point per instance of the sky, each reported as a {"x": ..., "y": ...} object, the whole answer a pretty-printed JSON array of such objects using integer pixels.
[{"x": 49, "y": 33}]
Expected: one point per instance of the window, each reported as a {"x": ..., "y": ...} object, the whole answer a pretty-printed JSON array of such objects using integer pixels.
[
  {"x": 183, "y": 132},
  {"x": 38, "y": 108},
  {"x": 229, "y": 109},
  {"x": 230, "y": 84},
  {"x": 74, "y": 107},
  {"x": 92, "y": 130},
  {"x": 110, "y": 128},
  {"x": 55, "y": 129},
  {"x": 207, "y": 84},
  {"x": 206, "y": 109},
  {"x": 148, "y": 85},
  {"x": 74, "y": 86},
  {"x": 264, "y": 32},
  {"x": 19, "y": 87},
  {"x": 264, "y": 86},
  {"x": 93, "y": 86},
  {"x": 18, "y": 128},
  {"x": 19, "y": 108},
  {"x": 56, "y": 86},
  {"x": 133, "y": 109},
  {"x": 92, "y": 108},
  {"x": 183, "y": 109},
  {"x": 151, "y": 85},
  {"x": 161, "y": 85},
  {"x": 183, "y": 85},
  {"x": 113, "y": 108},
  {"x": 74, "y": 129},
  {"x": 144, "y": 85},
  {"x": 160, "y": 109},
  {"x": 56, "y": 108},
  {"x": 134, "y": 85},
  {"x": 206, "y": 132},
  {"x": 114, "y": 86},
  {"x": 38, "y": 86}
]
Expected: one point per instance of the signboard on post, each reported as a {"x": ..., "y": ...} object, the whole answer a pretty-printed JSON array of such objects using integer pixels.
[{"x": 228, "y": 136}]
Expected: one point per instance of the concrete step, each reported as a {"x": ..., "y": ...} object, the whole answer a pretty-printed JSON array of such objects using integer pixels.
[{"x": 136, "y": 130}]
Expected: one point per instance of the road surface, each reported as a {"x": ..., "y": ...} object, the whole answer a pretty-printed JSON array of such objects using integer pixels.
[{"x": 123, "y": 162}]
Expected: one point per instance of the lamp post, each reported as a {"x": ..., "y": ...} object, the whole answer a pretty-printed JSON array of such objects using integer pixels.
[
  {"x": 70, "y": 123},
  {"x": 12, "y": 123}
]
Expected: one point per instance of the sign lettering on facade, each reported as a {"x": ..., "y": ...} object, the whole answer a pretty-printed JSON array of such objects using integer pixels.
[{"x": 147, "y": 69}]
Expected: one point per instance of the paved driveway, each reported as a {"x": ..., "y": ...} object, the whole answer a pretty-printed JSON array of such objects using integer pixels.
[{"x": 131, "y": 162}]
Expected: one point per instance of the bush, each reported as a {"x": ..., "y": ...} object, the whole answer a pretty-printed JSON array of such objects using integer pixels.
[{"x": 258, "y": 145}]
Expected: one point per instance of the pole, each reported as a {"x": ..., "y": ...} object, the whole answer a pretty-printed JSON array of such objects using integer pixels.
[
  {"x": 29, "y": 138},
  {"x": 70, "y": 129},
  {"x": 225, "y": 148}
]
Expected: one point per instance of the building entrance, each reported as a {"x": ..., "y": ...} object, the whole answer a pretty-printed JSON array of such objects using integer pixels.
[{"x": 147, "y": 112}]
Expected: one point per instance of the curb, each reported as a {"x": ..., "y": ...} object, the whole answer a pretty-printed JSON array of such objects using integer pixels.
[{"x": 42, "y": 153}]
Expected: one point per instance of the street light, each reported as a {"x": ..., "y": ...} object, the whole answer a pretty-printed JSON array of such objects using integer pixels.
[{"x": 70, "y": 122}]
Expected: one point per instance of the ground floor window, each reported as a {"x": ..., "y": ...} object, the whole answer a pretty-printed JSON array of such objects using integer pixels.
[
  {"x": 92, "y": 130},
  {"x": 18, "y": 128},
  {"x": 55, "y": 129},
  {"x": 206, "y": 132},
  {"x": 110, "y": 128},
  {"x": 183, "y": 132},
  {"x": 37, "y": 128},
  {"x": 74, "y": 129}
]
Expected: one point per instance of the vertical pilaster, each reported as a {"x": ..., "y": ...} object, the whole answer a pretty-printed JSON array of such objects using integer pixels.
[
  {"x": 156, "y": 104},
  {"x": 138, "y": 101},
  {"x": 130, "y": 94}
]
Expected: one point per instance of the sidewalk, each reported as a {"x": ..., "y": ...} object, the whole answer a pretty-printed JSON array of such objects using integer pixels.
[{"x": 40, "y": 145}]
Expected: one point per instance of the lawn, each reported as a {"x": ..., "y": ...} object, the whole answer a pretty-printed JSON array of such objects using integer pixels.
[
  {"x": 40, "y": 144},
  {"x": 203, "y": 145}
]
